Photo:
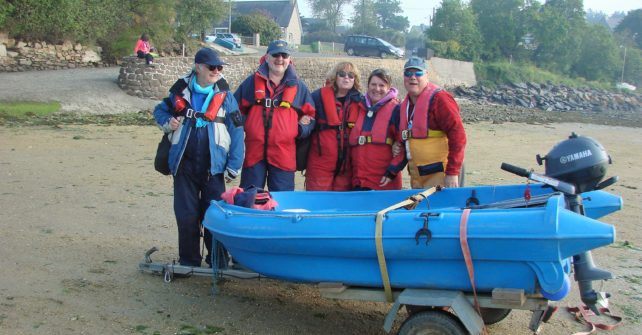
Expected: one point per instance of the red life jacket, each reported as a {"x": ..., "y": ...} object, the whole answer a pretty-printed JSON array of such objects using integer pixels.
[
  {"x": 183, "y": 108},
  {"x": 271, "y": 135},
  {"x": 370, "y": 162},
  {"x": 418, "y": 116},
  {"x": 379, "y": 132},
  {"x": 328, "y": 166}
]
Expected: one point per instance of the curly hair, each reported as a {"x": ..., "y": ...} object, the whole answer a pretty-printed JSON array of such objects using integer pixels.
[{"x": 331, "y": 77}]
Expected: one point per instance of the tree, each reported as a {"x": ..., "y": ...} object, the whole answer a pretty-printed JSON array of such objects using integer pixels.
[
  {"x": 454, "y": 23},
  {"x": 593, "y": 17},
  {"x": 56, "y": 20},
  {"x": 197, "y": 16},
  {"x": 387, "y": 19},
  {"x": 329, "y": 10},
  {"x": 558, "y": 30},
  {"x": 631, "y": 25},
  {"x": 598, "y": 55},
  {"x": 6, "y": 9},
  {"x": 501, "y": 25},
  {"x": 364, "y": 20},
  {"x": 257, "y": 23}
]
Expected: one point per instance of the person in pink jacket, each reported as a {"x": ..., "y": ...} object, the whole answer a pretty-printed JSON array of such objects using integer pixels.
[{"x": 143, "y": 49}]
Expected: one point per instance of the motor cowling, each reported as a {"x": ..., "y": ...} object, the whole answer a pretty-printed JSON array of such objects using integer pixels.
[{"x": 579, "y": 160}]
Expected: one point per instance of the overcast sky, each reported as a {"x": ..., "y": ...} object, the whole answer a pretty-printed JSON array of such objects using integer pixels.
[{"x": 419, "y": 11}]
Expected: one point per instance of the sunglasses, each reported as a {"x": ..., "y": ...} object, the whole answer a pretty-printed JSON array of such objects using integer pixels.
[
  {"x": 409, "y": 74},
  {"x": 214, "y": 67},
  {"x": 344, "y": 74},
  {"x": 281, "y": 54}
]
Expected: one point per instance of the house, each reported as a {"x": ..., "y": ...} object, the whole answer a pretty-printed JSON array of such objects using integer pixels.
[{"x": 284, "y": 12}]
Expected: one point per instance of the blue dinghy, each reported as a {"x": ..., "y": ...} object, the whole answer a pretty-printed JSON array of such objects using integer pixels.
[{"x": 330, "y": 237}]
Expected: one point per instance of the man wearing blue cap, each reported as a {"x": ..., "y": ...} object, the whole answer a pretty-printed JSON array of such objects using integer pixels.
[
  {"x": 278, "y": 110},
  {"x": 431, "y": 129},
  {"x": 206, "y": 129}
]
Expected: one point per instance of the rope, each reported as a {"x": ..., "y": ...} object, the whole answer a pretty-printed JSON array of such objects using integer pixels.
[
  {"x": 582, "y": 314},
  {"x": 409, "y": 203},
  {"x": 465, "y": 249}
]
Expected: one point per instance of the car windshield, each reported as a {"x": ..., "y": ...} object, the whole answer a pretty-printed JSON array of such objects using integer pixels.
[{"x": 385, "y": 43}]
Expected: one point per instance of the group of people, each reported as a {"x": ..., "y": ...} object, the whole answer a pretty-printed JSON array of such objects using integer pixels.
[{"x": 358, "y": 141}]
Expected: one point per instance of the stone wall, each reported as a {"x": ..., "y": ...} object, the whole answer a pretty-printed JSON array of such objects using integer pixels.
[
  {"x": 144, "y": 81},
  {"x": 25, "y": 56}
]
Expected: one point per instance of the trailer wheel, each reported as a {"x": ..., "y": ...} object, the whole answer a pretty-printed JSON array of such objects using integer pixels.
[
  {"x": 414, "y": 309},
  {"x": 494, "y": 315},
  {"x": 433, "y": 322}
]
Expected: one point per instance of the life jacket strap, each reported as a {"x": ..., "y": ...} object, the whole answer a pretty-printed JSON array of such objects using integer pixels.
[{"x": 368, "y": 139}]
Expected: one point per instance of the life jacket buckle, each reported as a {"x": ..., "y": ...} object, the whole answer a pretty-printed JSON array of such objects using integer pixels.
[
  {"x": 189, "y": 113},
  {"x": 361, "y": 140},
  {"x": 405, "y": 134},
  {"x": 268, "y": 103}
]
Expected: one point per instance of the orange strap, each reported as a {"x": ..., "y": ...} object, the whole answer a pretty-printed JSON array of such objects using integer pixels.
[
  {"x": 463, "y": 242},
  {"x": 583, "y": 313}
]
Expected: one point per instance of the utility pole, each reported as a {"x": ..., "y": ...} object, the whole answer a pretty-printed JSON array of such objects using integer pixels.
[
  {"x": 623, "y": 65},
  {"x": 229, "y": 20}
]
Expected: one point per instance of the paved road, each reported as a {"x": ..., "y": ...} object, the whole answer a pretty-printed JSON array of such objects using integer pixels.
[{"x": 86, "y": 90}]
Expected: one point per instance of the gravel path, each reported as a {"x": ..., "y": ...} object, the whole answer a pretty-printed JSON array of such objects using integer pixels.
[{"x": 70, "y": 88}]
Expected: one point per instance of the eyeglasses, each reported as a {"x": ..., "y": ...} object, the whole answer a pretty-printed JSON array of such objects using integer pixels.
[
  {"x": 281, "y": 54},
  {"x": 344, "y": 74},
  {"x": 409, "y": 74},
  {"x": 214, "y": 67}
]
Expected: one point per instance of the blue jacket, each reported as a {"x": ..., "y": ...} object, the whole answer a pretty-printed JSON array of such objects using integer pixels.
[{"x": 227, "y": 146}]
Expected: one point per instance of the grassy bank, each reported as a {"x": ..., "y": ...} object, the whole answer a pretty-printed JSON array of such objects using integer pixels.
[{"x": 491, "y": 74}]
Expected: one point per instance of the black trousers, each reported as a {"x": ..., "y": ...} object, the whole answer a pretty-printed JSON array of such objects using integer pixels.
[
  {"x": 192, "y": 195},
  {"x": 148, "y": 57}
]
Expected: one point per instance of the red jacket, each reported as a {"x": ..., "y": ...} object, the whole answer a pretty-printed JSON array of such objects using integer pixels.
[
  {"x": 329, "y": 167},
  {"x": 280, "y": 120}
]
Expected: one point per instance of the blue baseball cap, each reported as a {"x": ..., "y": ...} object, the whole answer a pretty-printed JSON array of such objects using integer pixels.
[
  {"x": 208, "y": 56},
  {"x": 415, "y": 63},
  {"x": 277, "y": 47}
]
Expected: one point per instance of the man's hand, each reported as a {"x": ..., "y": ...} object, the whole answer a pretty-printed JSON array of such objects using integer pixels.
[
  {"x": 451, "y": 181},
  {"x": 229, "y": 175},
  {"x": 396, "y": 149},
  {"x": 305, "y": 120},
  {"x": 174, "y": 122},
  {"x": 384, "y": 181}
]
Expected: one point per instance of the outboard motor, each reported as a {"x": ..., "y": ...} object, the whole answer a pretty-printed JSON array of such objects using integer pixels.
[{"x": 582, "y": 162}]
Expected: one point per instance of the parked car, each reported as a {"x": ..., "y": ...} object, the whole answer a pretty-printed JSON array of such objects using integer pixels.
[
  {"x": 224, "y": 39},
  {"x": 361, "y": 45},
  {"x": 230, "y": 37}
]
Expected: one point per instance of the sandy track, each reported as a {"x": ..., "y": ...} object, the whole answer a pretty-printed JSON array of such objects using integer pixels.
[{"x": 81, "y": 204}]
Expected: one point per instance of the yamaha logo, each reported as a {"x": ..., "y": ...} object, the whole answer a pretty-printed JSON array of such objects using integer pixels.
[{"x": 575, "y": 156}]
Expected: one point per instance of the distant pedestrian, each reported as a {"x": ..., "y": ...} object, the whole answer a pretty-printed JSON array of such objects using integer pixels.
[{"x": 143, "y": 49}]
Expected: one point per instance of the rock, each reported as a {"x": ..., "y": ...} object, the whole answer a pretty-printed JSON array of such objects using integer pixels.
[{"x": 91, "y": 56}]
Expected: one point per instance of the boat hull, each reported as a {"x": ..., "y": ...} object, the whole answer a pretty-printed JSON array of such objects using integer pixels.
[{"x": 334, "y": 241}]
